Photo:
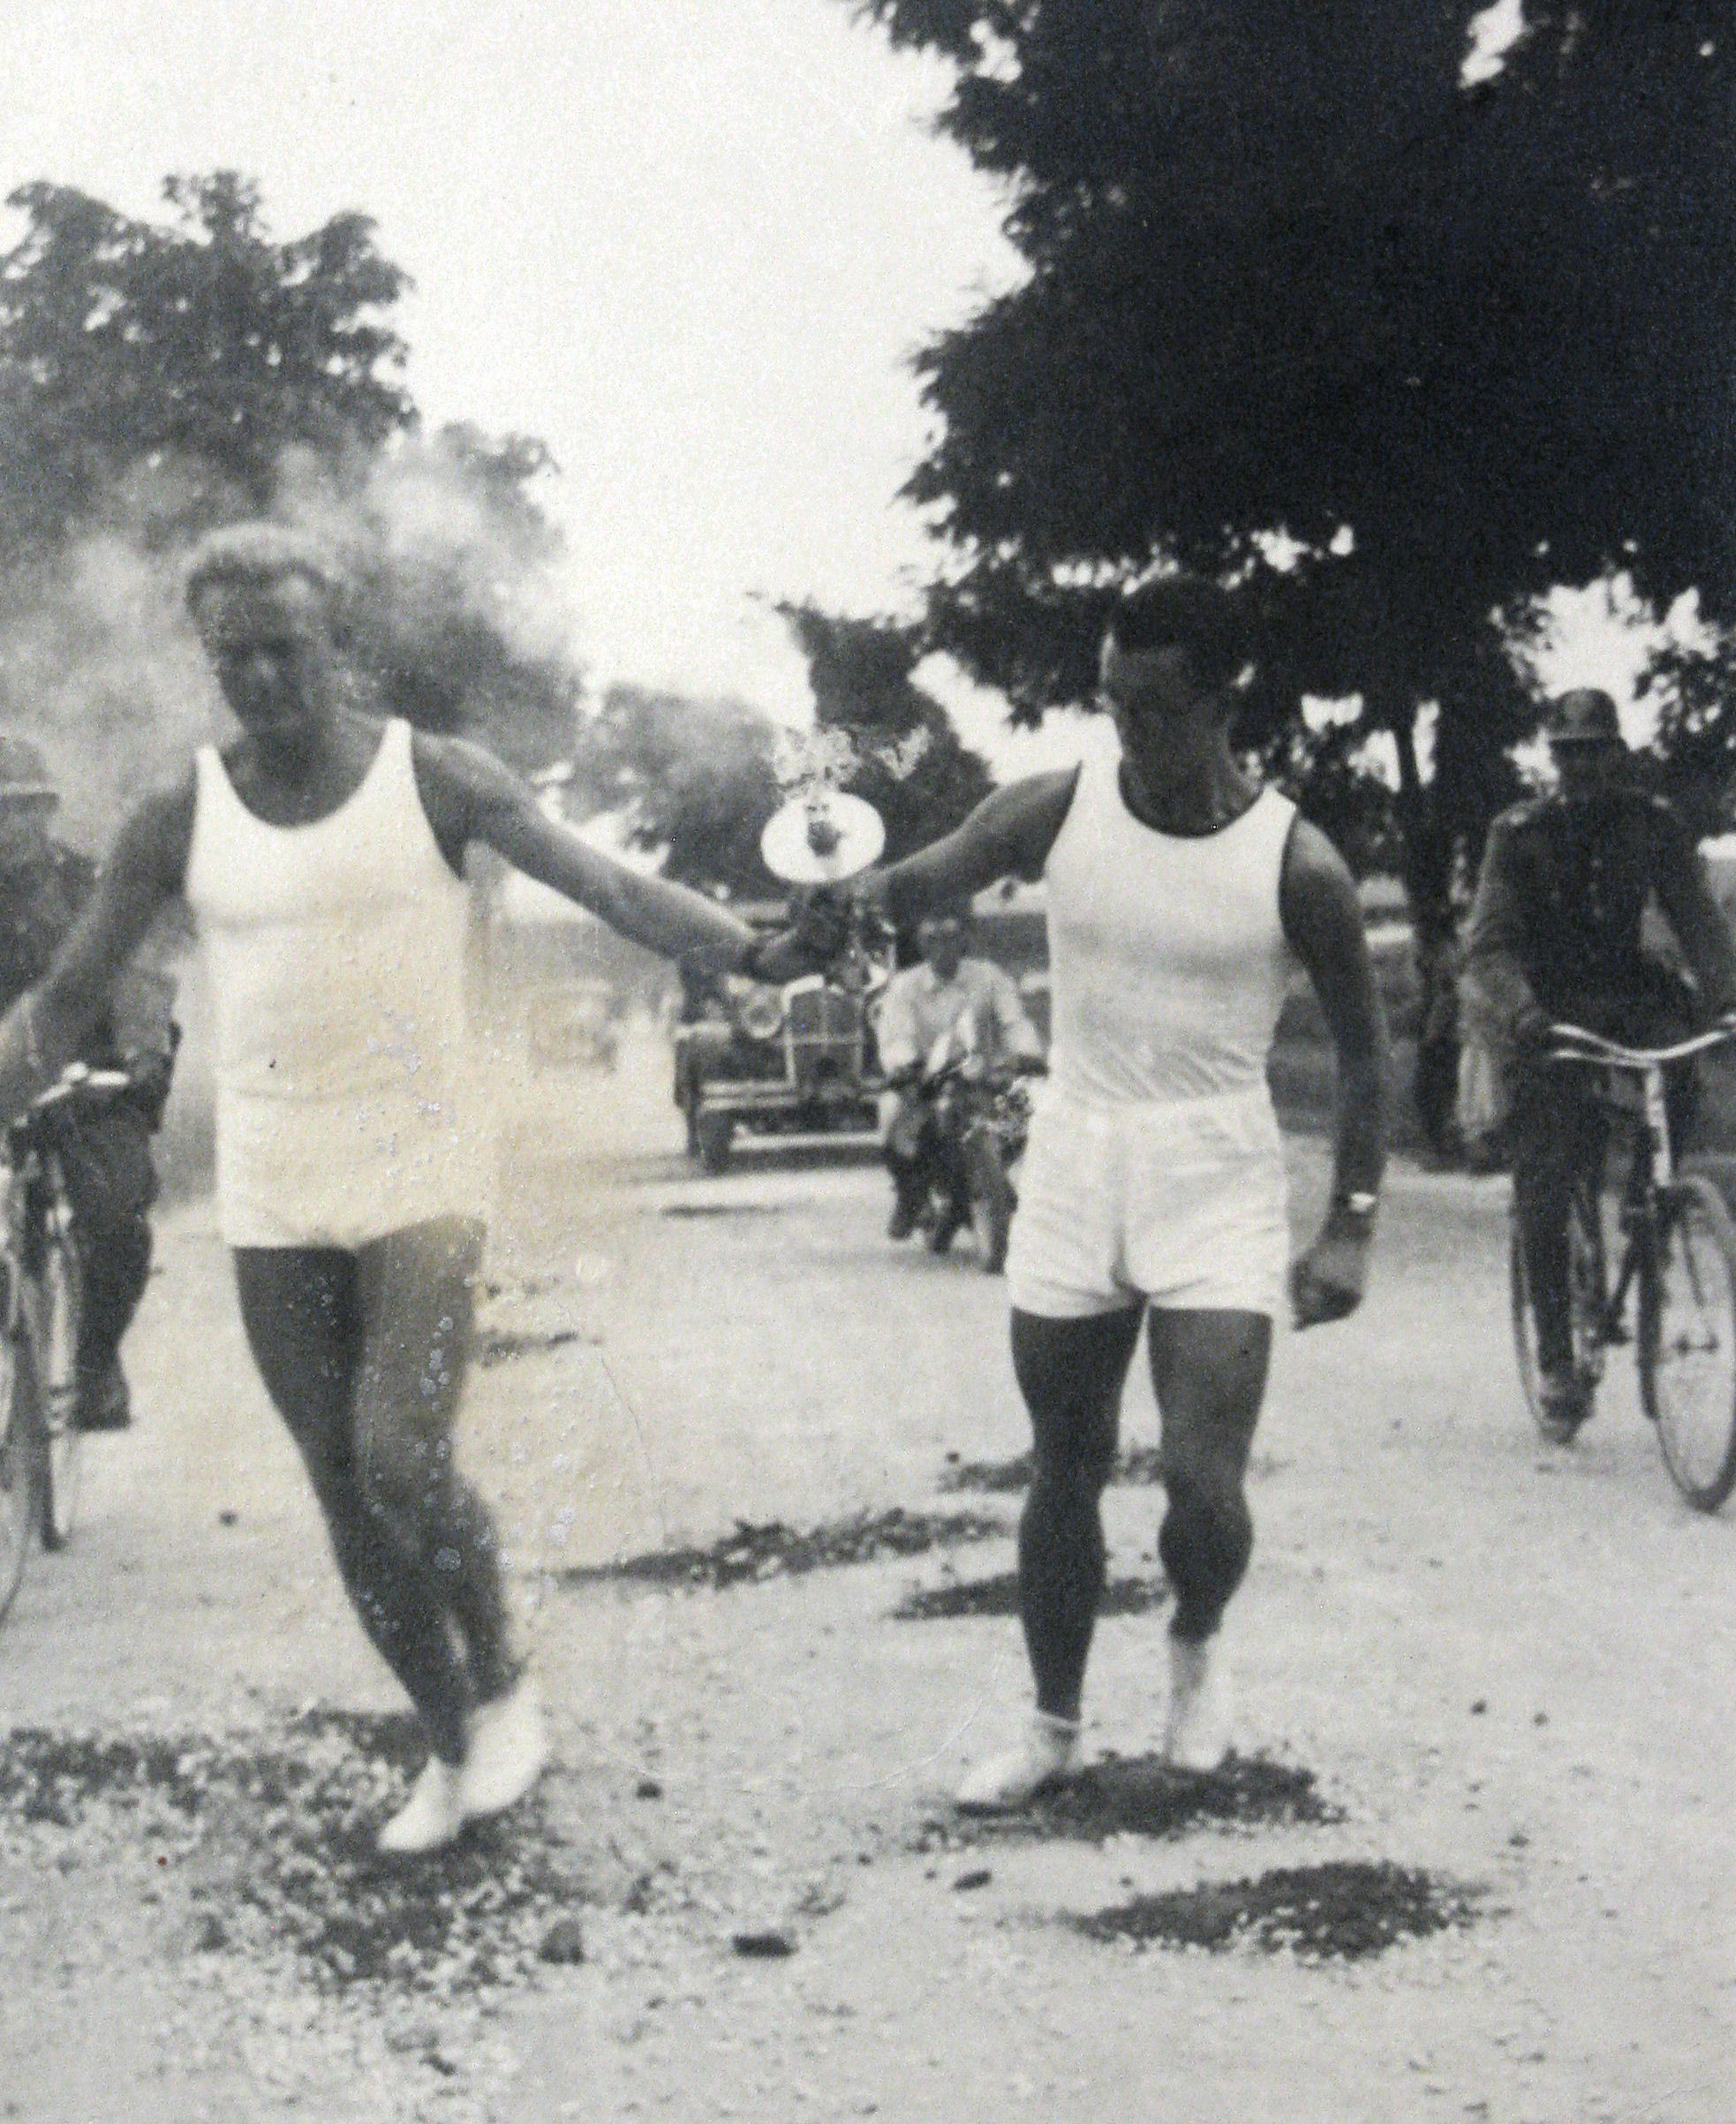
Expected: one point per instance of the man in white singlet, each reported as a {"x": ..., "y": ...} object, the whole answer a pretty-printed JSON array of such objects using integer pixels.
[
  {"x": 321, "y": 853},
  {"x": 1153, "y": 1189}
]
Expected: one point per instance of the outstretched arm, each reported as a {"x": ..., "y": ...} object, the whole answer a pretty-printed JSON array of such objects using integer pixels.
[
  {"x": 1008, "y": 835},
  {"x": 44, "y": 1029},
  {"x": 1323, "y": 922},
  {"x": 469, "y": 796}
]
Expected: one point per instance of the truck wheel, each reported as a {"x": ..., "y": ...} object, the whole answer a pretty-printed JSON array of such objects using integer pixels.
[{"x": 714, "y": 1133}]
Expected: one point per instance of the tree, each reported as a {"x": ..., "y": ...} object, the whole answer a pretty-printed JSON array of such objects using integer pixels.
[
  {"x": 694, "y": 780},
  {"x": 1290, "y": 270},
  {"x": 910, "y": 764},
  {"x": 205, "y": 340},
  {"x": 158, "y": 379}
]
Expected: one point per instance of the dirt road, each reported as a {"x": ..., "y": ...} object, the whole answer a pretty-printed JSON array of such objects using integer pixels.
[{"x": 1487, "y": 1691}]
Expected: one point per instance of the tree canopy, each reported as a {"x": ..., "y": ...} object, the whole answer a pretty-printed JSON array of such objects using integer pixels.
[
  {"x": 695, "y": 780},
  {"x": 1290, "y": 271},
  {"x": 202, "y": 337},
  {"x": 157, "y": 378},
  {"x": 910, "y": 763}
]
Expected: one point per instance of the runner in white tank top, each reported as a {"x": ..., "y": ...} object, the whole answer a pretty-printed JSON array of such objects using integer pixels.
[
  {"x": 322, "y": 856},
  {"x": 345, "y": 1101},
  {"x": 1153, "y": 1189},
  {"x": 1155, "y": 1170}
]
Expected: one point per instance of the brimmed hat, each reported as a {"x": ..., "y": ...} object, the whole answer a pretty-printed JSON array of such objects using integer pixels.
[
  {"x": 24, "y": 772},
  {"x": 1585, "y": 716}
]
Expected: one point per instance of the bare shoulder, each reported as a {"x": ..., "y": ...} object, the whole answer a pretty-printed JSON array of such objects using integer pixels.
[
  {"x": 468, "y": 794},
  {"x": 459, "y": 766},
  {"x": 1312, "y": 863}
]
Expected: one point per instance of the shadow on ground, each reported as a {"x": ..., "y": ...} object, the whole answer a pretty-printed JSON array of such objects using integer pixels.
[
  {"x": 1343, "y": 1910},
  {"x": 999, "y": 1596},
  {"x": 755, "y": 1551},
  {"x": 1142, "y": 1795}
]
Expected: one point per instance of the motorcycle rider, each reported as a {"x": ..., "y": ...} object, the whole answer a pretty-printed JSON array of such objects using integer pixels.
[
  {"x": 1554, "y": 936},
  {"x": 921, "y": 1006},
  {"x": 104, "y": 1149}
]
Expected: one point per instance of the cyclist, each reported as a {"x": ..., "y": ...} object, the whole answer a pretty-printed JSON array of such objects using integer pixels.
[
  {"x": 104, "y": 1149},
  {"x": 920, "y": 1007},
  {"x": 1555, "y": 936}
]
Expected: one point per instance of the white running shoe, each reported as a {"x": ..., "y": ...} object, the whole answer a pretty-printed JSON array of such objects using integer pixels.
[
  {"x": 1196, "y": 1733},
  {"x": 433, "y": 1815},
  {"x": 1048, "y": 1755},
  {"x": 508, "y": 1747}
]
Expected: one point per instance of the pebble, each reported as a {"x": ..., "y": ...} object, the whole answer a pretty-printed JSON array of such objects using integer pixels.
[{"x": 562, "y": 1942}]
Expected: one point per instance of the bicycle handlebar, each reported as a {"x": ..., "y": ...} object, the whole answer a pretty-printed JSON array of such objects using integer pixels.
[{"x": 1576, "y": 1045}]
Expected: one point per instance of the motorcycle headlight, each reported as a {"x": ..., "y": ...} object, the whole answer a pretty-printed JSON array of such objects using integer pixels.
[{"x": 759, "y": 1013}]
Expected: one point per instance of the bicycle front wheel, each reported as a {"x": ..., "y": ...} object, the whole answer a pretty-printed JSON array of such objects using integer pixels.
[
  {"x": 55, "y": 1340},
  {"x": 19, "y": 1508},
  {"x": 1687, "y": 1341}
]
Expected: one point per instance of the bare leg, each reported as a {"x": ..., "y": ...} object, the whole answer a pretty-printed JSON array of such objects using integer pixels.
[
  {"x": 304, "y": 1321},
  {"x": 1071, "y": 1373},
  {"x": 417, "y": 1292},
  {"x": 1209, "y": 1369}
]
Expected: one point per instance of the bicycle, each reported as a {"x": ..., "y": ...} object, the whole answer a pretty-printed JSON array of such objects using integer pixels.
[
  {"x": 1680, "y": 1259},
  {"x": 40, "y": 1296}
]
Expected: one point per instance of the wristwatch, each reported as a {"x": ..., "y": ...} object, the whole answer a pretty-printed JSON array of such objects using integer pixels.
[{"x": 1357, "y": 1204}]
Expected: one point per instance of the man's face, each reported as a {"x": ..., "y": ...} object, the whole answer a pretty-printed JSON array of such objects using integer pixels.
[
  {"x": 941, "y": 943},
  {"x": 1587, "y": 770},
  {"x": 23, "y": 831},
  {"x": 1148, "y": 690},
  {"x": 270, "y": 648}
]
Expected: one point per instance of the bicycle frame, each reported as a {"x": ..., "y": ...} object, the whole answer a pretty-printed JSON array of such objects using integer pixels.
[{"x": 1653, "y": 1168}]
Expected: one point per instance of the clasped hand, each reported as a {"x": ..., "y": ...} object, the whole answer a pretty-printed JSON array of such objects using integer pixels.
[{"x": 1328, "y": 1280}]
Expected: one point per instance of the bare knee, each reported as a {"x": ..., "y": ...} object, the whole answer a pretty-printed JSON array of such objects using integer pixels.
[{"x": 1072, "y": 1481}]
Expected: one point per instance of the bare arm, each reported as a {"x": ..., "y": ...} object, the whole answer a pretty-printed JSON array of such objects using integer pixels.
[
  {"x": 44, "y": 1029},
  {"x": 1008, "y": 835},
  {"x": 469, "y": 796},
  {"x": 1323, "y": 922}
]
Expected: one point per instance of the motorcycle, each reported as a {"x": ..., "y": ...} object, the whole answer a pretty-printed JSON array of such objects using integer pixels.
[{"x": 978, "y": 1117}]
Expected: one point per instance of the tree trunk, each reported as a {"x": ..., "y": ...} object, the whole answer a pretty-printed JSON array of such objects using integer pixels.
[{"x": 1428, "y": 880}]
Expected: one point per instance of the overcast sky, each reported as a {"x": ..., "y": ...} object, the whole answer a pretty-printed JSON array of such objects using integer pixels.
[{"x": 691, "y": 244}]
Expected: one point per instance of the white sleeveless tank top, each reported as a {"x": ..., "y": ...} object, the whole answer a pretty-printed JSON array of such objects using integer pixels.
[
  {"x": 337, "y": 949},
  {"x": 1167, "y": 963}
]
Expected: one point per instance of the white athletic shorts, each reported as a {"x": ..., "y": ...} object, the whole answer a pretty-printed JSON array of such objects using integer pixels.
[
  {"x": 342, "y": 1173},
  {"x": 1179, "y": 1206}
]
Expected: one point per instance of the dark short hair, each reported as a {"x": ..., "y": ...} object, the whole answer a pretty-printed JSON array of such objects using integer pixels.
[
  {"x": 258, "y": 553},
  {"x": 1188, "y": 612}
]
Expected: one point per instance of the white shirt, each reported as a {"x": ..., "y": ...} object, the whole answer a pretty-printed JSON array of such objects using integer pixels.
[{"x": 919, "y": 1009}]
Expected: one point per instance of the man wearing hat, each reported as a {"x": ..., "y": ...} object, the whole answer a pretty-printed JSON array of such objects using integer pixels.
[
  {"x": 105, "y": 1151},
  {"x": 1554, "y": 937}
]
